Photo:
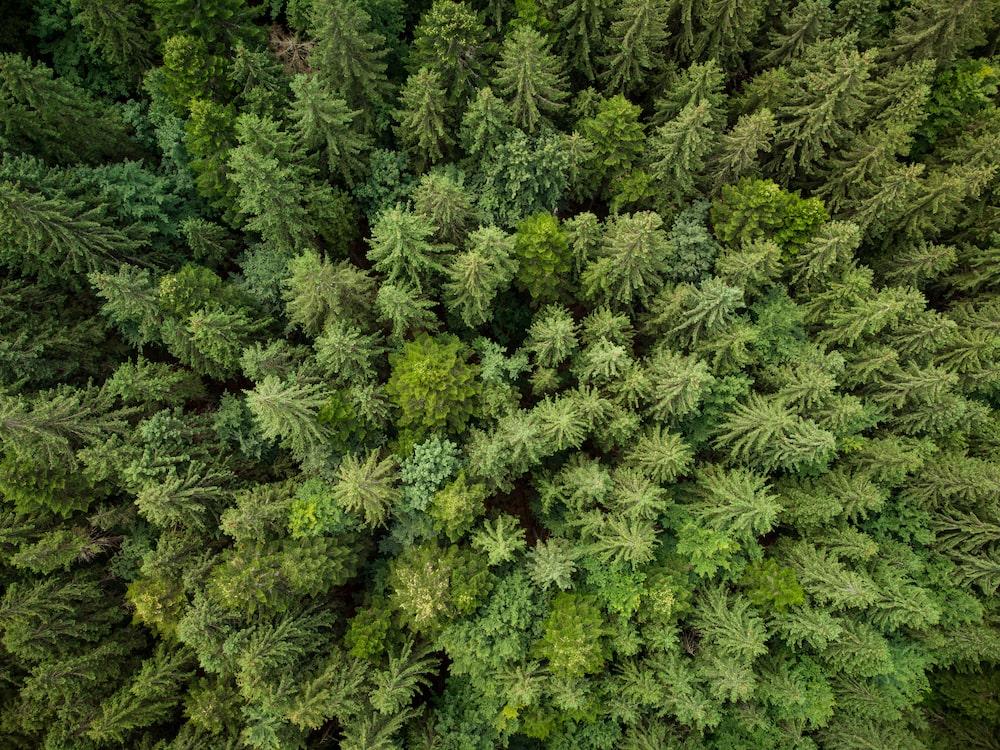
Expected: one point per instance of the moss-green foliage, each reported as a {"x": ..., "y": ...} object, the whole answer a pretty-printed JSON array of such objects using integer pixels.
[
  {"x": 433, "y": 385},
  {"x": 542, "y": 253},
  {"x": 475, "y": 374}
]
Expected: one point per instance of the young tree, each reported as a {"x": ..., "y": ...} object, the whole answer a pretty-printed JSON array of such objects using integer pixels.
[
  {"x": 367, "y": 488},
  {"x": 443, "y": 198},
  {"x": 485, "y": 123},
  {"x": 433, "y": 385},
  {"x": 542, "y": 254},
  {"x": 289, "y": 410}
]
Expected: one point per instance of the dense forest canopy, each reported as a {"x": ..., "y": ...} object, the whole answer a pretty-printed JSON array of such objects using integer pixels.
[{"x": 458, "y": 375}]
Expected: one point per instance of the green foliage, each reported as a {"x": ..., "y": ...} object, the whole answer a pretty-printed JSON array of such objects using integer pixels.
[
  {"x": 542, "y": 253},
  {"x": 499, "y": 374},
  {"x": 572, "y": 637},
  {"x": 531, "y": 77},
  {"x": 433, "y": 385},
  {"x": 421, "y": 126},
  {"x": 756, "y": 209}
]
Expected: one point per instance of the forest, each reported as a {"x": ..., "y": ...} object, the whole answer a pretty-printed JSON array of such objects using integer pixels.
[{"x": 517, "y": 374}]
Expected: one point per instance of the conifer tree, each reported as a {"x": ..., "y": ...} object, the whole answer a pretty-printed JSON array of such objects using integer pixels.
[
  {"x": 350, "y": 57},
  {"x": 631, "y": 261},
  {"x": 274, "y": 186},
  {"x": 807, "y": 22},
  {"x": 421, "y": 118},
  {"x": 115, "y": 29},
  {"x": 939, "y": 31},
  {"x": 679, "y": 149},
  {"x": 51, "y": 117},
  {"x": 400, "y": 247},
  {"x": 634, "y": 44},
  {"x": 326, "y": 123},
  {"x": 581, "y": 26},
  {"x": 452, "y": 41},
  {"x": 56, "y": 237},
  {"x": 478, "y": 274},
  {"x": 531, "y": 78},
  {"x": 818, "y": 110}
]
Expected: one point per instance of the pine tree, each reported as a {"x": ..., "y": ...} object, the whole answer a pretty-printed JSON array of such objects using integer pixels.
[
  {"x": 940, "y": 31},
  {"x": 807, "y": 22},
  {"x": 478, "y": 274},
  {"x": 49, "y": 116},
  {"x": 289, "y": 410},
  {"x": 405, "y": 311},
  {"x": 443, "y": 198},
  {"x": 422, "y": 128},
  {"x": 822, "y": 105},
  {"x": 631, "y": 262},
  {"x": 367, "y": 487},
  {"x": 149, "y": 699},
  {"x": 679, "y": 149},
  {"x": 740, "y": 148},
  {"x": 274, "y": 185},
  {"x": 485, "y": 123},
  {"x": 55, "y": 238},
  {"x": 531, "y": 78},
  {"x": 729, "y": 27},
  {"x": 115, "y": 30}
]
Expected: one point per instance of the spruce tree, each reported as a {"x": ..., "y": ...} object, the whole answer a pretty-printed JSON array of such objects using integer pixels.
[{"x": 531, "y": 78}]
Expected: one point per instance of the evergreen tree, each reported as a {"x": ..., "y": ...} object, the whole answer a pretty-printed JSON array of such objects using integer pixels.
[
  {"x": 350, "y": 58},
  {"x": 325, "y": 122},
  {"x": 531, "y": 78},
  {"x": 631, "y": 262},
  {"x": 452, "y": 41},
  {"x": 477, "y": 275},
  {"x": 55, "y": 238},
  {"x": 39, "y": 110},
  {"x": 421, "y": 118},
  {"x": 581, "y": 26},
  {"x": 679, "y": 149},
  {"x": 634, "y": 44},
  {"x": 400, "y": 247}
]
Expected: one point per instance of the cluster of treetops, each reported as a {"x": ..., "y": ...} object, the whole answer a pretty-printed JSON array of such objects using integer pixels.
[{"x": 458, "y": 375}]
